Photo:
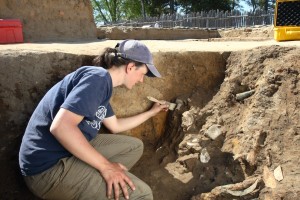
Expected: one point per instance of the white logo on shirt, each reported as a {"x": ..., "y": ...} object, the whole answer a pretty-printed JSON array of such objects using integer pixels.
[{"x": 100, "y": 114}]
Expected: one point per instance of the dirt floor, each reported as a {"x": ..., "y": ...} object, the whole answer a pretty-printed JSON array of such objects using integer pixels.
[{"x": 256, "y": 133}]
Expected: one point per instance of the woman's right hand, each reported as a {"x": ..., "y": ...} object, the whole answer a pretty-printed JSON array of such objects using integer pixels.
[
  {"x": 115, "y": 177},
  {"x": 157, "y": 107}
]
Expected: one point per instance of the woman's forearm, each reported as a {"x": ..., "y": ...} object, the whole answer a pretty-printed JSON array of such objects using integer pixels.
[
  {"x": 116, "y": 125},
  {"x": 64, "y": 128}
]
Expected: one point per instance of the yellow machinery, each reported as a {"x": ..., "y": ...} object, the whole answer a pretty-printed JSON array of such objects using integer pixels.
[{"x": 287, "y": 20}]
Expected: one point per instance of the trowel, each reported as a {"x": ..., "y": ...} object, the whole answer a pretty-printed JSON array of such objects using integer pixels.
[{"x": 172, "y": 106}]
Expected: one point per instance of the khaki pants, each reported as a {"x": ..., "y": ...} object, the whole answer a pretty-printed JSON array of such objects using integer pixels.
[{"x": 71, "y": 178}]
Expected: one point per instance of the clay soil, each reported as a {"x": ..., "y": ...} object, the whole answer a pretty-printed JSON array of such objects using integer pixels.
[{"x": 257, "y": 133}]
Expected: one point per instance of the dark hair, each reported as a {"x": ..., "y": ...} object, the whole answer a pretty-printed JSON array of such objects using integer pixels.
[{"x": 109, "y": 57}]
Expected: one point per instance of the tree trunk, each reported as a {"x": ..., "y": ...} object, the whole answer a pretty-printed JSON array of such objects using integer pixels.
[
  {"x": 143, "y": 9},
  {"x": 172, "y": 7},
  {"x": 266, "y": 5}
]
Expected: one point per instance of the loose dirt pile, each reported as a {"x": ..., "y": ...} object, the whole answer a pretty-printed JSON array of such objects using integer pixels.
[
  {"x": 51, "y": 20},
  {"x": 241, "y": 34}
]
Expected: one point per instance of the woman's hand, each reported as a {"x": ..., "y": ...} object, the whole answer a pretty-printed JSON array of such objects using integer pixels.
[
  {"x": 66, "y": 122},
  {"x": 115, "y": 177},
  {"x": 157, "y": 107},
  {"x": 117, "y": 125}
]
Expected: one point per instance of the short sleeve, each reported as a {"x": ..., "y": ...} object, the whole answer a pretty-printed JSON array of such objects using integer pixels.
[
  {"x": 87, "y": 94},
  {"x": 110, "y": 111}
]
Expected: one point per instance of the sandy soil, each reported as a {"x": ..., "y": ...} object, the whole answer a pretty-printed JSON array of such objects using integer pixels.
[{"x": 93, "y": 47}]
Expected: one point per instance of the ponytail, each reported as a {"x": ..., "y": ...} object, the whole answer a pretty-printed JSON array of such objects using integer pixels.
[{"x": 110, "y": 57}]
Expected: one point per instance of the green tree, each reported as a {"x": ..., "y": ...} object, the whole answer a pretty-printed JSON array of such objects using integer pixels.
[
  {"x": 205, "y": 5},
  {"x": 110, "y": 11},
  {"x": 266, "y": 4},
  {"x": 234, "y": 4},
  {"x": 260, "y": 4},
  {"x": 143, "y": 8},
  {"x": 132, "y": 9},
  {"x": 107, "y": 11},
  {"x": 156, "y": 8},
  {"x": 253, "y": 3}
]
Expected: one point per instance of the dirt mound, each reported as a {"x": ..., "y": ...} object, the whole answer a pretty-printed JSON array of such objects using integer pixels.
[
  {"x": 258, "y": 133},
  {"x": 51, "y": 20},
  {"x": 244, "y": 34},
  {"x": 239, "y": 34}
]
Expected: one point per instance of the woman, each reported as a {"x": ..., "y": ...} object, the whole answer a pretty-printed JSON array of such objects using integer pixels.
[{"x": 63, "y": 157}]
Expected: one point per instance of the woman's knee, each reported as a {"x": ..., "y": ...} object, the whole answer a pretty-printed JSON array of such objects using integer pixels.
[
  {"x": 138, "y": 145},
  {"x": 142, "y": 191}
]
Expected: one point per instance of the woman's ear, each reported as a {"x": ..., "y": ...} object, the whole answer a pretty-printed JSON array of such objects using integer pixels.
[{"x": 129, "y": 67}]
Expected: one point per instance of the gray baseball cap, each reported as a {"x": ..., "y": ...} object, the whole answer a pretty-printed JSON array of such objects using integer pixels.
[{"x": 137, "y": 51}]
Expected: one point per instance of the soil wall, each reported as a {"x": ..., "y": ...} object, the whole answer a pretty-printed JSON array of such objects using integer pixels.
[
  {"x": 24, "y": 83},
  {"x": 51, "y": 20}
]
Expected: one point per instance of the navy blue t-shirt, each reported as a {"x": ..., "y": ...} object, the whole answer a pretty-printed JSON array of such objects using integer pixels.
[{"x": 86, "y": 92}]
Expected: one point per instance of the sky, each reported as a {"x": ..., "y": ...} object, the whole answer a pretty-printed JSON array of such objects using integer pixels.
[{"x": 245, "y": 6}]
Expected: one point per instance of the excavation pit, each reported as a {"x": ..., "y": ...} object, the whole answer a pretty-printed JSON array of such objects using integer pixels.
[
  {"x": 207, "y": 82},
  {"x": 24, "y": 85}
]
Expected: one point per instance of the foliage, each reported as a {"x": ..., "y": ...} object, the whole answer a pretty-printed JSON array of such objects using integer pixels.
[
  {"x": 260, "y": 4},
  {"x": 234, "y": 4},
  {"x": 159, "y": 7},
  {"x": 205, "y": 5},
  {"x": 111, "y": 11},
  {"x": 108, "y": 11},
  {"x": 132, "y": 9}
]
